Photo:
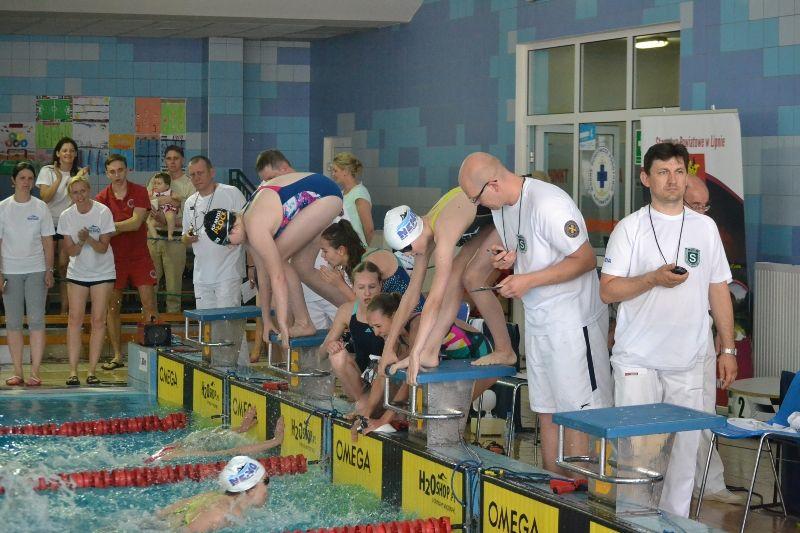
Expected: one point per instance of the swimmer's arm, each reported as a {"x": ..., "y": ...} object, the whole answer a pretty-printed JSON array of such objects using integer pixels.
[
  {"x": 337, "y": 328},
  {"x": 211, "y": 520},
  {"x": 443, "y": 257},
  {"x": 408, "y": 302},
  {"x": 170, "y": 509}
]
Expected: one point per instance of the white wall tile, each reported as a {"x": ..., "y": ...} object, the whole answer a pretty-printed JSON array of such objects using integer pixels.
[
  {"x": 55, "y": 51},
  {"x": 22, "y": 103},
  {"x": 20, "y": 67},
  {"x": 5, "y": 67},
  {"x": 38, "y": 50},
  {"x": 687, "y": 14},
  {"x": 756, "y": 9},
  {"x": 20, "y": 50},
  {"x": 5, "y": 50},
  {"x": 90, "y": 51},
  {"x": 72, "y": 51},
  {"x": 269, "y": 72},
  {"x": 285, "y": 72},
  {"x": 38, "y": 67},
  {"x": 73, "y": 86},
  {"x": 302, "y": 73},
  {"x": 269, "y": 55},
  {"x": 252, "y": 52}
]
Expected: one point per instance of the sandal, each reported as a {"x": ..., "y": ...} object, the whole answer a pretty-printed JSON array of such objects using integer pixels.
[
  {"x": 14, "y": 381},
  {"x": 112, "y": 365},
  {"x": 92, "y": 380},
  {"x": 73, "y": 381},
  {"x": 33, "y": 381}
]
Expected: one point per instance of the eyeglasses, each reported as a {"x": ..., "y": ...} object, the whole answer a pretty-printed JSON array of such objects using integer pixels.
[
  {"x": 698, "y": 207},
  {"x": 476, "y": 199}
]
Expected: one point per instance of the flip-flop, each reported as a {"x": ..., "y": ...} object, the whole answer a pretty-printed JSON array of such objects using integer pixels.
[
  {"x": 73, "y": 381},
  {"x": 15, "y": 381},
  {"x": 112, "y": 365},
  {"x": 494, "y": 446},
  {"x": 33, "y": 381},
  {"x": 92, "y": 380}
]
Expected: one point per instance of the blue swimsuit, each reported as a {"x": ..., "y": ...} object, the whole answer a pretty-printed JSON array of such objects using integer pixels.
[{"x": 300, "y": 194}]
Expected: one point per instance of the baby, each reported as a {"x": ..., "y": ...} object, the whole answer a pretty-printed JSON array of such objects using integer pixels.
[{"x": 161, "y": 187}]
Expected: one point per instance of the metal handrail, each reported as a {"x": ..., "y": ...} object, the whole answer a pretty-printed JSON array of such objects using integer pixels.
[
  {"x": 239, "y": 179},
  {"x": 316, "y": 373},
  {"x": 413, "y": 412}
]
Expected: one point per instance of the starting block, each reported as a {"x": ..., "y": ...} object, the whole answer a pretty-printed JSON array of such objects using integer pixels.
[
  {"x": 220, "y": 332},
  {"x": 629, "y": 449},
  {"x": 300, "y": 363},
  {"x": 446, "y": 390}
]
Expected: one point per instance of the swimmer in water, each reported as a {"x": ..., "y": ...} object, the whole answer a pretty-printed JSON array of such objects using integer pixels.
[
  {"x": 193, "y": 445},
  {"x": 245, "y": 484}
]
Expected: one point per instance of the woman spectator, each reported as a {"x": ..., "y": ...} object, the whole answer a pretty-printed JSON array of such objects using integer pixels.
[
  {"x": 26, "y": 248},
  {"x": 357, "y": 203},
  {"x": 52, "y": 183},
  {"x": 342, "y": 249},
  {"x": 351, "y": 358},
  {"x": 87, "y": 227}
]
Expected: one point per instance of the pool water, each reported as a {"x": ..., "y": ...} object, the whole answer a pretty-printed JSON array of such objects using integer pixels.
[{"x": 296, "y": 502}]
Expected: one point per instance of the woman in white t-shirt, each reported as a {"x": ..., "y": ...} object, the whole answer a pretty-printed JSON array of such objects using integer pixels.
[
  {"x": 26, "y": 248},
  {"x": 87, "y": 227},
  {"x": 52, "y": 183},
  {"x": 357, "y": 202}
]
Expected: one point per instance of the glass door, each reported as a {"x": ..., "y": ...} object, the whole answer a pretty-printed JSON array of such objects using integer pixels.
[{"x": 553, "y": 149}]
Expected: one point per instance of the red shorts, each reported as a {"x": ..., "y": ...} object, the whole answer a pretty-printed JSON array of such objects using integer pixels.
[{"x": 134, "y": 272}]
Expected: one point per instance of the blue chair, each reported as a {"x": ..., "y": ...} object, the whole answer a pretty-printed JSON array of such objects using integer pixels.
[{"x": 790, "y": 404}]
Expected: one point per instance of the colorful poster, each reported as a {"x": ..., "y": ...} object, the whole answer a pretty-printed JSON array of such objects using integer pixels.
[
  {"x": 148, "y": 158},
  {"x": 90, "y": 108},
  {"x": 17, "y": 141},
  {"x": 90, "y": 134},
  {"x": 49, "y": 133},
  {"x": 53, "y": 108},
  {"x": 148, "y": 116},
  {"x": 173, "y": 117},
  {"x": 122, "y": 144}
]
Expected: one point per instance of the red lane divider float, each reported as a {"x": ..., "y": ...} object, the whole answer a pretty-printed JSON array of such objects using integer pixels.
[
  {"x": 275, "y": 385},
  {"x": 431, "y": 525},
  {"x": 143, "y": 476},
  {"x": 110, "y": 426}
]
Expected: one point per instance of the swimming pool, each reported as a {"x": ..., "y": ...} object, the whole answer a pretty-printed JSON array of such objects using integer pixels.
[{"x": 300, "y": 501}]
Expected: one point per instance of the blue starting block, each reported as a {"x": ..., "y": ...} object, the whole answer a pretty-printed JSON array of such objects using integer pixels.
[
  {"x": 220, "y": 332},
  {"x": 635, "y": 440},
  {"x": 446, "y": 388},
  {"x": 300, "y": 360}
]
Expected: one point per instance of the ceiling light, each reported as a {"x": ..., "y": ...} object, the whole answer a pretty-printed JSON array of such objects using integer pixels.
[{"x": 651, "y": 42}]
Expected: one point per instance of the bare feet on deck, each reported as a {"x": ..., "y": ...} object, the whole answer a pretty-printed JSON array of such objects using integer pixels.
[
  {"x": 497, "y": 358},
  {"x": 302, "y": 330}
]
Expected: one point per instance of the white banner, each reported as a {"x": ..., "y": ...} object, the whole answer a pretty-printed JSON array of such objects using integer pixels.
[{"x": 714, "y": 141}]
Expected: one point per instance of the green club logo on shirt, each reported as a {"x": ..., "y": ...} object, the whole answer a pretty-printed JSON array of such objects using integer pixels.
[{"x": 692, "y": 256}]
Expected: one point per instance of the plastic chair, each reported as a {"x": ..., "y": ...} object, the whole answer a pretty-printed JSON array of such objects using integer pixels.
[{"x": 790, "y": 404}]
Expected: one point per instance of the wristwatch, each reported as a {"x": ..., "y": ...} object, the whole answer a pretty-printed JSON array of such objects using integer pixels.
[{"x": 728, "y": 351}]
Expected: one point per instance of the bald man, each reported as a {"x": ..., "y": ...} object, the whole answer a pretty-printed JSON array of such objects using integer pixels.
[
  {"x": 696, "y": 198},
  {"x": 566, "y": 324}
]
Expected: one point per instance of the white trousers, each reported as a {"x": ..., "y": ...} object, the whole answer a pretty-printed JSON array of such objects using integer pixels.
[
  {"x": 637, "y": 386},
  {"x": 322, "y": 313},
  {"x": 226, "y": 293},
  {"x": 716, "y": 479}
]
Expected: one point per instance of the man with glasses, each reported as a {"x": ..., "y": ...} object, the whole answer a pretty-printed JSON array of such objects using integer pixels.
[
  {"x": 453, "y": 222},
  {"x": 665, "y": 264},
  {"x": 129, "y": 204},
  {"x": 696, "y": 198},
  {"x": 544, "y": 239}
]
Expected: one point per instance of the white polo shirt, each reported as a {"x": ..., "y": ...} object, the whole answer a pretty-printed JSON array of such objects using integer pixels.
[
  {"x": 22, "y": 226},
  {"x": 213, "y": 263},
  {"x": 60, "y": 200},
  {"x": 665, "y": 328},
  {"x": 552, "y": 228}
]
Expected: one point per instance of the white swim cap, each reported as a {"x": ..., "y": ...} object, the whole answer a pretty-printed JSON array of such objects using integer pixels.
[
  {"x": 401, "y": 227},
  {"x": 241, "y": 473}
]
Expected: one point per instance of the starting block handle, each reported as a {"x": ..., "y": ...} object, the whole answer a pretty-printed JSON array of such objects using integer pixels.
[
  {"x": 648, "y": 476},
  {"x": 288, "y": 371},
  {"x": 413, "y": 412},
  {"x": 199, "y": 341}
]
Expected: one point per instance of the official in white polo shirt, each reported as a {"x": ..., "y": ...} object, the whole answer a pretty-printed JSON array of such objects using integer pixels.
[
  {"x": 666, "y": 265},
  {"x": 543, "y": 237}
]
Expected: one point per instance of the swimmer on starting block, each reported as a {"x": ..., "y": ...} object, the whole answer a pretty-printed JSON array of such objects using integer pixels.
[
  {"x": 217, "y": 442},
  {"x": 461, "y": 341},
  {"x": 281, "y": 225},
  {"x": 454, "y": 221},
  {"x": 245, "y": 484}
]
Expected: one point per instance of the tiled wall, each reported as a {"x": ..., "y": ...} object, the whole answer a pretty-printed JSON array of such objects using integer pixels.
[
  {"x": 224, "y": 82},
  {"x": 417, "y": 98}
]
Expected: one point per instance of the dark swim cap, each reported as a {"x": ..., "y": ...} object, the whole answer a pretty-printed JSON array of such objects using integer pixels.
[{"x": 218, "y": 224}]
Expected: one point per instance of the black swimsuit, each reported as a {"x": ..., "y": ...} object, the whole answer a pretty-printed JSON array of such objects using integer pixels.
[{"x": 363, "y": 342}]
